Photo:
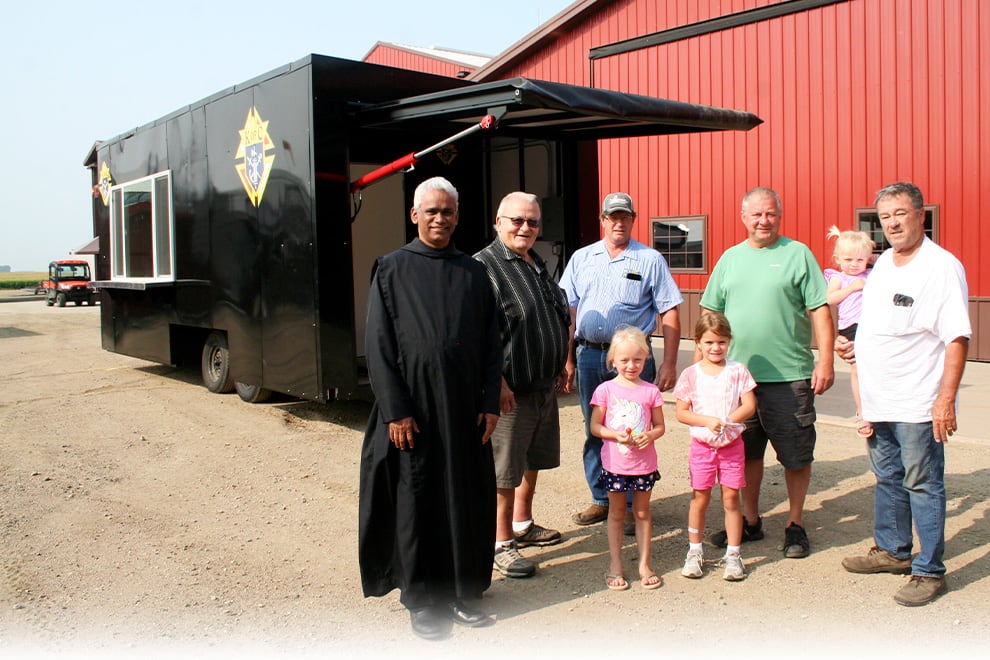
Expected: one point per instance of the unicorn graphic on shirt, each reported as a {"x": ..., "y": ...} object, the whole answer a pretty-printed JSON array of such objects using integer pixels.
[{"x": 625, "y": 414}]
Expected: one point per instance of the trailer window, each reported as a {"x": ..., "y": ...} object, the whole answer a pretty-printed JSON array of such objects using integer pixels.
[{"x": 141, "y": 231}]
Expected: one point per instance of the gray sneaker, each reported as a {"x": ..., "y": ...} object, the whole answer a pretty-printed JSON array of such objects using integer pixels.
[
  {"x": 735, "y": 570},
  {"x": 693, "y": 564},
  {"x": 511, "y": 564}
]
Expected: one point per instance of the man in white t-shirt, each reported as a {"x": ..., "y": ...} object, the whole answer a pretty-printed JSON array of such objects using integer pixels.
[{"x": 910, "y": 349}]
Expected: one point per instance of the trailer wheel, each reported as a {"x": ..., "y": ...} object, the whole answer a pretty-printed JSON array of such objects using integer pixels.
[
  {"x": 252, "y": 393},
  {"x": 216, "y": 364},
  {"x": 50, "y": 302},
  {"x": 60, "y": 299}
]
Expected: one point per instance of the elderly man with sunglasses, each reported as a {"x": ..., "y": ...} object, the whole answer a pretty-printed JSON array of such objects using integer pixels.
[
  {"x": 533, "y": 323},
  {"x": 612, "y": 282}
]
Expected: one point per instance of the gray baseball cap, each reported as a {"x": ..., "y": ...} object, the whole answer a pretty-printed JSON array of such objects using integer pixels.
[{"x": 617, "y": 201}]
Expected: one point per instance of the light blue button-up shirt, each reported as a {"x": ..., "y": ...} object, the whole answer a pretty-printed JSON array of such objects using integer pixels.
[{"x": 631, "y": 289}]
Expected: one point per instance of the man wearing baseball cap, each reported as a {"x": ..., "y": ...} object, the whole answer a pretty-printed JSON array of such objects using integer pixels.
[{"x": 612, "y": 282}]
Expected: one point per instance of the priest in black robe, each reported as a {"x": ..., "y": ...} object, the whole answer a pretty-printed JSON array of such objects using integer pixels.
[{"x": 427, "y": 492}]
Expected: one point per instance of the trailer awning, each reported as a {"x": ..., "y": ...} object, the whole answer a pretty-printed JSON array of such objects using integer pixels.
[
  {"x": 547, "y": 109},
  {"x": 90, "y": 247}
]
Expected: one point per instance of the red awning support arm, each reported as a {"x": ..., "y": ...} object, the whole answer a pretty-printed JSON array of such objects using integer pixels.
[{"x": 487, "y": 123}]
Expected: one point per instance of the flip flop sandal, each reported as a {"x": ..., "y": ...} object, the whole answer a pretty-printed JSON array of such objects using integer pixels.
[
  {"x": 616, "y": 582},
  {"x": 646, "y": 581}
]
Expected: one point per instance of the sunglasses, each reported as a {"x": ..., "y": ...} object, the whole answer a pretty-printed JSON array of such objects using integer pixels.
[{"x": 518, "y": 222}]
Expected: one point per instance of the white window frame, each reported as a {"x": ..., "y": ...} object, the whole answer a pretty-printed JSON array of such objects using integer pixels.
[{"x": 123, "y": 266}]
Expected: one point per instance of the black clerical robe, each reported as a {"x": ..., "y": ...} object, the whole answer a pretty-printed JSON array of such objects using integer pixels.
[{"x": 427, "y": 514}]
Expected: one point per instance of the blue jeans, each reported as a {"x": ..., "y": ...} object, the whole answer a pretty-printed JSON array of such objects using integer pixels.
[
  {"x": 910, "y": 470},
  {"x": 592, "y": 372}
]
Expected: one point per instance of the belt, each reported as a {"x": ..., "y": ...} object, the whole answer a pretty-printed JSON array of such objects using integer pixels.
[{"x": 592, "y": 344}]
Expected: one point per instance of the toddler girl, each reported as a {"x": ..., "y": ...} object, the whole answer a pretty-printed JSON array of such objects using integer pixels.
[
  {"x": 627, "y": 415},
  {"x": 852, "y": 254},
  {"x": 714, "y": 397}
]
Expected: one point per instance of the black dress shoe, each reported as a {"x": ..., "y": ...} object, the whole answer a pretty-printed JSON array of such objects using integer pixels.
[
  {"x": 429, "y": 623},
  {"x": 463, "y": 615}
]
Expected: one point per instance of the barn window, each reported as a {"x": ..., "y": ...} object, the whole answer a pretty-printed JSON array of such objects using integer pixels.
[
  {"x": 141, "y": 232},
  {"x": 867, "y": 220},
  {"x": 682, "y": 240}
]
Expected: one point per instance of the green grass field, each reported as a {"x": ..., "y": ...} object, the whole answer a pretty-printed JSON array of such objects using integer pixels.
[{"x": 21, "y": 280}]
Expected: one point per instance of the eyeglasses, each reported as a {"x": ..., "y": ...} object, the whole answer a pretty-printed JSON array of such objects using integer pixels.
[{"x": 518, "y": 222}]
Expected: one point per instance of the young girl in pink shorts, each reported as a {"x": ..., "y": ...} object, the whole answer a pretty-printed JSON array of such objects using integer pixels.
[{"x": 714, "y": 396}]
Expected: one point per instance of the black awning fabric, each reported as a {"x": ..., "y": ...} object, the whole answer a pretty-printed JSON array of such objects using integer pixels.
[{"x": 536, "y": 108}]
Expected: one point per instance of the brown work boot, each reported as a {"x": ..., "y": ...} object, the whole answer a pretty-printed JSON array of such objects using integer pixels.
[
  {"x": 877, "y": 561},
  {"x": 921, "y": 590},
  {"x": 593, "y": 514}
]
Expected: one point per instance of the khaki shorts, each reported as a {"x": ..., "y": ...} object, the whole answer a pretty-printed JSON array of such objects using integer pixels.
[{"x": 527, "y": 439}]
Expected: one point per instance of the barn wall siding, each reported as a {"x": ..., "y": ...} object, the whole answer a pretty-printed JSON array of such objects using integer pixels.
[{"x": 854, "y": 95}]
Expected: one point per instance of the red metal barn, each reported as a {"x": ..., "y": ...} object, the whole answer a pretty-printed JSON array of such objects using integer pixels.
[{"x": 854, "y": 94}]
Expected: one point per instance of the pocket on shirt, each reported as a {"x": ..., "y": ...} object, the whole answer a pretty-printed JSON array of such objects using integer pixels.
[
  {"x": 901, "y": 320},
  {"x": 630, "y": 292}
]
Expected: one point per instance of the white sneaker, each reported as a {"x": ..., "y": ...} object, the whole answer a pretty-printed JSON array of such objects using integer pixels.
[
  {"x": 734, "y": 568},
  {"x": 693, "y": 564}
]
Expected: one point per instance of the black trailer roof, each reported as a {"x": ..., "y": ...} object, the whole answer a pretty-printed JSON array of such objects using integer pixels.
[
  {"x": 442, "y": 104},
  {"x": 537, "y": 107}
]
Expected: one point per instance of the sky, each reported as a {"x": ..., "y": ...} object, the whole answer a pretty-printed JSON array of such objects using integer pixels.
[{"x": 73, "y": 73}]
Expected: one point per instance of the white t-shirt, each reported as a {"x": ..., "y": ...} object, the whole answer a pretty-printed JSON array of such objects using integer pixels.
[{"x": 910, "y": 314}]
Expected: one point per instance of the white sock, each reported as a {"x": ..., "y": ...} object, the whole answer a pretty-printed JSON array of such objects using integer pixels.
[
  {"x": 521, "y": 526},
  {"x": 731, "y": 550},
  {"x": 695, "y": 546},
  {"x": 501, "y": 544}
]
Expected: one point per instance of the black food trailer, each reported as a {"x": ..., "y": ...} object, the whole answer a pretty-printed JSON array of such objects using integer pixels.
[{"x": 239, "y": 231}]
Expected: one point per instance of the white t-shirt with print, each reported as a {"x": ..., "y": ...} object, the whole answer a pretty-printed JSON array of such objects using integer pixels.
[{"x": 910, "y": 314}]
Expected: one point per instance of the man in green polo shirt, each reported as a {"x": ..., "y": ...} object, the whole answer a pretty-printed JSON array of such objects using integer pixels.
[{"x": 773, "y": 292}]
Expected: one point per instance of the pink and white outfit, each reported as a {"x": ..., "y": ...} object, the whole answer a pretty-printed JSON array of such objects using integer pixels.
[
  {"x": 721, "y": 455},
  {"x": 852, "y": 305},
  {"x": 628, "y": 408}
]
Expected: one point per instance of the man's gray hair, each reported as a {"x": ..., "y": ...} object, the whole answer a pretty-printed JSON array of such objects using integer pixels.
[
  {"x": 902, "y": 188},
  {"x": 435, "y": 183},
  {"x": 762, "y": 191},
  {"x": 518, "y": 195}
]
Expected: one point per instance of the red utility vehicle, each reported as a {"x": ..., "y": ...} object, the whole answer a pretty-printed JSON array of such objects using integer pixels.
[{"x": 68, "y": 280}]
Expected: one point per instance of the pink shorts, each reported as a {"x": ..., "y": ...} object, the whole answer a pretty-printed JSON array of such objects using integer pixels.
[{"x": 727, "y": 465}]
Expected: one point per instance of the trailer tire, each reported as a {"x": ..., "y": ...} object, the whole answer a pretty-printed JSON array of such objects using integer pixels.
[
  {"x": 60, "y": 299},
  {"x": 252, "y": 393},
  {"x": 50, "y": 302},
  {"x": 216, "y": 364}
]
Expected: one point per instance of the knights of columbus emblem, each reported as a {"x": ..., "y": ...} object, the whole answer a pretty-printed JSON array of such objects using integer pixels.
[
  {"x": 255, "y": 156},
  {"x": 104, "y": 184}
]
